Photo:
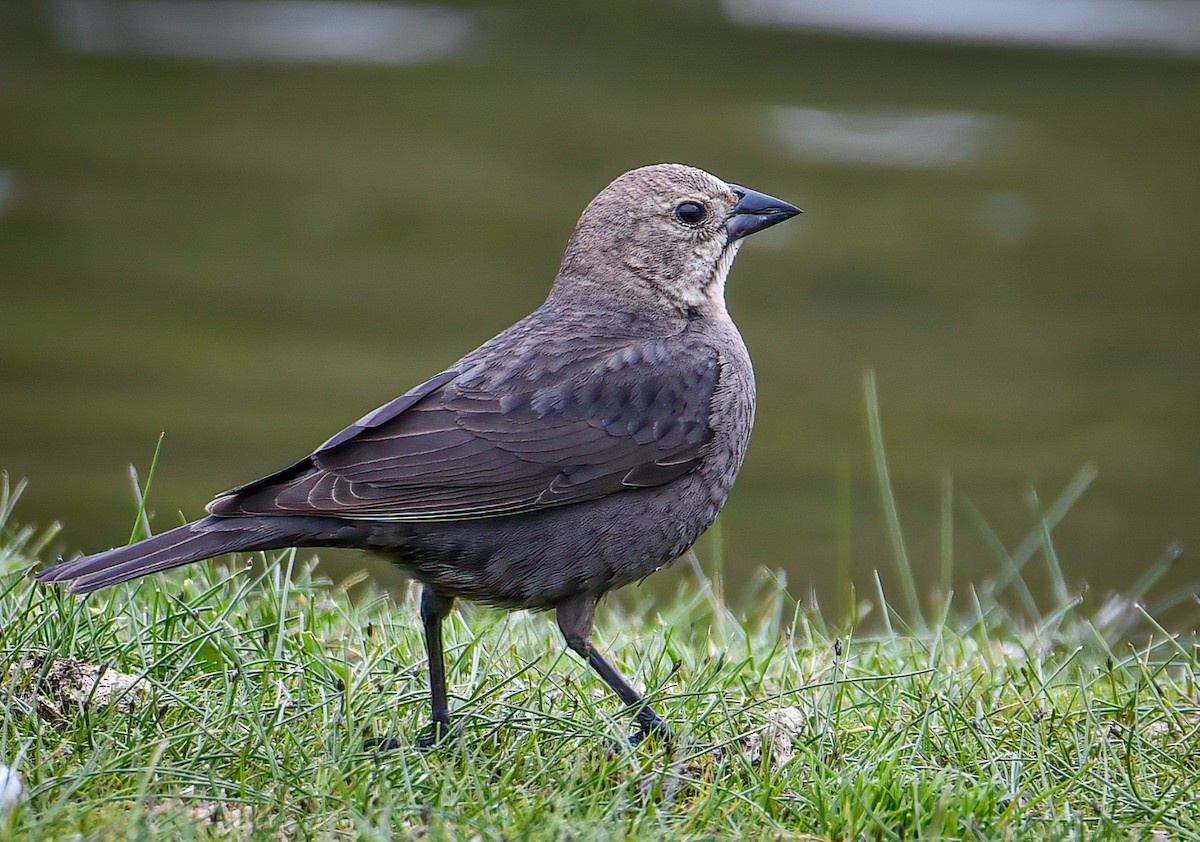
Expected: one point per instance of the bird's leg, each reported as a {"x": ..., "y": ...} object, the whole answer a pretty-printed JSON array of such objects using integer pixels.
[
  {"x": 434, "y": 608},
  {"x": 575, "y": 617}
]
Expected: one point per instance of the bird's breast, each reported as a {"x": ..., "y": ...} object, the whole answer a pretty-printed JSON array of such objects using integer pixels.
[{"x": 732, "y": 416}]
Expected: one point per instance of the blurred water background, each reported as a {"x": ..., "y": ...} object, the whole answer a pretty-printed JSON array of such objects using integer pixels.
[{"x": 247, "y": 223}]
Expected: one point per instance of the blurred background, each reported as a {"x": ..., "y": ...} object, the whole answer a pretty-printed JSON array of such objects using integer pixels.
[{"x": 247, "y": 223}]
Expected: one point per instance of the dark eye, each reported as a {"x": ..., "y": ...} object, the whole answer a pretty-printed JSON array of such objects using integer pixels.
[{"x": 690, "y": 213}]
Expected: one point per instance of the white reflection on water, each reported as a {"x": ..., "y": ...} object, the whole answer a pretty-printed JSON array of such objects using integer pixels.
[
  {"x": 280, "y": 30},
  {"x": 923, "y": 140},
  {"x": 1152, "y": 25}
]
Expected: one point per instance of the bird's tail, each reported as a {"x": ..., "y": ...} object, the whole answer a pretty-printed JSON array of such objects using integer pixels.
[{"x": 204, "y": 538}]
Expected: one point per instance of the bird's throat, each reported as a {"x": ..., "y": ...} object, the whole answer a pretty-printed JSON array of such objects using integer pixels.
[
  {"x": 712, "y": 294},
  {"x": 724, "y": 263}
]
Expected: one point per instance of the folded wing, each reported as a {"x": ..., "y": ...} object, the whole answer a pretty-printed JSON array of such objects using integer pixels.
[{"x": 473, "y": 444}]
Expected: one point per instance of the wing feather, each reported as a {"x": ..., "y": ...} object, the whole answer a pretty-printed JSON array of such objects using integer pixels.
[{"x": 489, "y": 444}]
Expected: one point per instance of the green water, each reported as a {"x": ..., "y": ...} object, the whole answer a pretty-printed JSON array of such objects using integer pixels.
[{"x": 249, "y": 256}]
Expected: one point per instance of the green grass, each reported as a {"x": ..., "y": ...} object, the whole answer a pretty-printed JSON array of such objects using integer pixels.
[{"x": 262, "y": 682}]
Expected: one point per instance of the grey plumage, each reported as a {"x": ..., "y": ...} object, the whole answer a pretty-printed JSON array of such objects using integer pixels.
[{"x": 581, "y": 449}]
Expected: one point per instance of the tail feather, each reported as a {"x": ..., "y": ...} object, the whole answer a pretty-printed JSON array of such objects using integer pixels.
[{"x": 201, "y": 539}]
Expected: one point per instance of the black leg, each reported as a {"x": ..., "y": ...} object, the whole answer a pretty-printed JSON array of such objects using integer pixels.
[
  {"x": 575, "y": 617},
  {"x": 434, "y": 608},
  {"x": 647, "y": 719}
]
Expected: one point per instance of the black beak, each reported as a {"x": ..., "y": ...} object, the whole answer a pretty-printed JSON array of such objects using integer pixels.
[{"x": 756, "y": 211}]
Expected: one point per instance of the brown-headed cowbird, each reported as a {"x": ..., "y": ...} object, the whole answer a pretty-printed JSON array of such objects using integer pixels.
[{"x": 581, "y": 449}]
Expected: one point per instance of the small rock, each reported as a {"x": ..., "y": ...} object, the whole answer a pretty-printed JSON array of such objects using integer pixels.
[
  {"x": 1158, "y": 728},
  {"x": 782, "y": 725},
  {"x": 70, "y": 684},
  {"x": 223, "y": 815}
]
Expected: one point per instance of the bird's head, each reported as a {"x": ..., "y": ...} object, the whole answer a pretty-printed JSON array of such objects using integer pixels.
[{"x": 668, "y": 230}]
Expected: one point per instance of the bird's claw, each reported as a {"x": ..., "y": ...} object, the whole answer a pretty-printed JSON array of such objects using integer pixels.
[
  {"x": 439, "y": 733},
  {"x": 381, "y": 744},
  {"x": 656, "y": 727}
]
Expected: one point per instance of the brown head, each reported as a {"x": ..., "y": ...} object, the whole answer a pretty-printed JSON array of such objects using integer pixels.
[{"x": 667, "y": 233}]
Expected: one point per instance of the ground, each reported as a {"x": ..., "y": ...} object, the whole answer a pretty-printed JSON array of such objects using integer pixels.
[{"x": 236, "y": 698}]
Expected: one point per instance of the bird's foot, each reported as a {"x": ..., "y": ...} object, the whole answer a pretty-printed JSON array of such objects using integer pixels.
[
  {"x": 381, "y": 744},
  {"x": 654, "y": 726},
  {"x": 439, "y": 733}
]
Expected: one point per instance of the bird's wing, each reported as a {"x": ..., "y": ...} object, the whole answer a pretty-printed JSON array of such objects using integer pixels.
[{"x": 473, "y": 445}]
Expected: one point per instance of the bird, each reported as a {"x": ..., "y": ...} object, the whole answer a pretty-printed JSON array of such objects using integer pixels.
[{"x": 581, "y": 449}]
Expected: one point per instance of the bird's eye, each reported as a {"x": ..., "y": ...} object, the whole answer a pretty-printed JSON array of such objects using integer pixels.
[{"x": 690, "y": 213}]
